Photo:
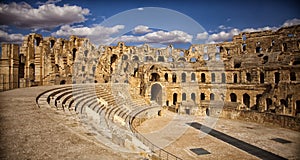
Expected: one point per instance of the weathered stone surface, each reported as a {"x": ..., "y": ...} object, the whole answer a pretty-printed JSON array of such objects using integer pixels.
[{"x": 256, "y": 71}]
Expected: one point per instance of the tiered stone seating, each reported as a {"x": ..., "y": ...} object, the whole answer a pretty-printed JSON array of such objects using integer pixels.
[{"x": 110, "y": 107}]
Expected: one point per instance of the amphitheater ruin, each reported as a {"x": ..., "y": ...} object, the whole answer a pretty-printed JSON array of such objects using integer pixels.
[{"x": 254, "y": 78}]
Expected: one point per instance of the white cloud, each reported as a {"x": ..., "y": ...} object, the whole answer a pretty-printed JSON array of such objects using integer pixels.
[
  {"x": 97, "y": 34},
  {"x": 6, "y": 37},
  {"x": 162, "y": 37},
  {"x": 223, "y": 36},
  {"x": 141, "y": 29},
  {"x": 202, "y": 36},
  {"x": 140, "y": 9},
  {"x": 259, "y": 29},
  {"x": 45, "y": 16},
  {"x": 291, "y": 22},
  {"x": 224, "y": 27}
]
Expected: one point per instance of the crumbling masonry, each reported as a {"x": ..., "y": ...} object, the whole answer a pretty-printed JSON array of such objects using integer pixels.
[{"x": 256, "y": 71}]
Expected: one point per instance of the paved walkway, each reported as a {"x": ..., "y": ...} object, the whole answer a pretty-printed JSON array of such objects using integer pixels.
[
  {"x": 28, "y": 132},
  {"x": 227, "y": 140}
]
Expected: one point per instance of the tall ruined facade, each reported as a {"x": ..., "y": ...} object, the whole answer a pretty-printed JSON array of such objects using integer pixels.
[{"x": 256, "y": 71}]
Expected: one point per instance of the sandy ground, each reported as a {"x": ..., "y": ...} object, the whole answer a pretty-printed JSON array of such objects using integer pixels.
[
  {"x": 29, "y": 132},
  {"x": 173, "y": 133}
]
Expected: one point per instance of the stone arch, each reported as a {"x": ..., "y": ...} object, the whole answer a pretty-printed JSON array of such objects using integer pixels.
[
  {"x": 297, "y": 110},
  {"x": 183, "y": 77},
  {"x": 135, "y": 58},
  {"x": 156, "y": 93},
  {"x": 233, "y": 97},
  {"x": 217, "y": 56},
  {"x": 293, "y": 76},
  {"x": 160, "y": 59},
  {"x": 193, "y": 97},
  {"x": 202, "y": 96},
  {"x": 248, "y": 77},
  {"x": 52, "y": 42},
  {"x": 213, "y": 77},
  {"x": 62, "y": 82},
  {"x": 124, "y": 57},
  {"x": 203, "y": 79},
  {"x": 235, "y": 78},
  {"x": 193, "y": 77},
  {"x": 262, "y": 77},
  {"x": 246, "y": 100},
  {"x": 154, "y": 77},
  {"x": 269, "y": 103},
  {"x": 212, "y": 96},
  {"x": 223, "y": 78},
  {"x": 174, "y": 77},
  {"x": 182, "y": 59},
  {"x": 113, "y": 59},
  {"x": 175, "y": 96},
  {"x": 183, "y": 97},
  {"x": 74, "y": 50},
  {"x": 166, "y": 77},
  {"x": 277, "y": 77}
]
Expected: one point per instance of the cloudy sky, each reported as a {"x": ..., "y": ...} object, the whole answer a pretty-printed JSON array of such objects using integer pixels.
[{"x": 174, "y": 22}]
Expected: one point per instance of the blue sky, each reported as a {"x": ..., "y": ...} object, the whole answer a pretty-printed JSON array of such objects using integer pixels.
[{"x": 220, "y": 20}]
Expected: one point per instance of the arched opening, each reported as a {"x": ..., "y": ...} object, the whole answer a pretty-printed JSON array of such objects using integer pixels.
[
  {"x": 262, "y": 77},
  {"x": 193, "y": 77},
  {"x": 213, "y": 77},
  {"x": 265, "y": 59},
  {"x": 277, "y": 77},
  {"x": 113, "y": 59},
  {"x": 205, "y": 57},
  {"x": 193, "y": 60},
  {"x": 182, "y": 59},
  {"x": 170, "y": 59},
  {"x": 124, "y": 57},
  {"x": 212, "y": 96},
  {"x": 174, "y": 98},
  {"x": 293, "y": 76},
  {"x": 156, "y": 93},
  {"x": 52, "y": 42},
  {"x": 193, "y": 97},
  {"x": 62, "y": 82},
  {"x": 135, "y": 58},
  {"x": 237, "y": 64},
  {"x": 32, "y": 72},
  {"x": 202, "y": 96},
  {"x": 223, "y": 78},
  {"x": 284, "y": 47},
  {"x": 283, "y": 102},
  {"x": 166, "y": 77},
  {"x": 244, "y": 47},
  {"x": 202, "y": 77},
  {"x": 174, "y": 78},
  {"x": 269, "y": 103},
  {"x": 56, "y": 68},
  {"x": 233, "y": 97},
  {"x": 154, "y": 77},
  {"x": 37, "y": 41},
  {"x": 161, "y": 59},
  {"x": 148, "y": 59},
  {"x": 207, "y": 111},
  {"x": 74, "y": 53},
  {"x": 217, "y": 55},
  {"x": 183, "y": 97},
  {"x": 258, "y": 99},
  {"x": 248, "y": 77},
  {"x": 183, "y": 77},
  {"x": 246, "y": 100},
  {"x": 235, "y": 78},
  {"x": 297, "y": 108}
]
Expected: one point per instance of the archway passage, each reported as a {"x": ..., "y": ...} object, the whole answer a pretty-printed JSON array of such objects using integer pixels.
[
  {"x": 174, "y": 98},
  {"x": 156, "y": 93},
  {"x": 62, "y": 82},
  {"x": 297, "y": 108},
  {"x": 246, "y": 100},
  {"x": 233, "y": 97}
]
